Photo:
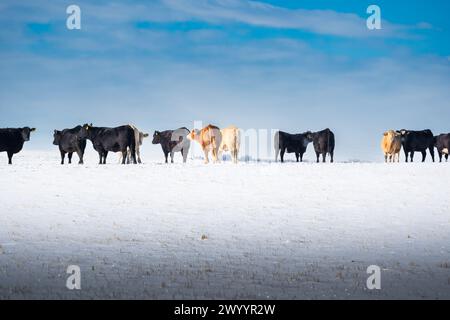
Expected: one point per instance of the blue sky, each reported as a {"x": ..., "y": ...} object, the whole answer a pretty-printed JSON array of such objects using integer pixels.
[{"x": 294, "y": 65}]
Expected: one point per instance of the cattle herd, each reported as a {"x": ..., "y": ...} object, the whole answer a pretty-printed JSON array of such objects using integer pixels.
[
  {"x": 127, "y": 140},
  {"x": 414, "y": 141}
]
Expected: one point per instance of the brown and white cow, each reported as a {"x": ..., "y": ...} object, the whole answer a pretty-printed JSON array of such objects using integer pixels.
[
  {"x": 231, "y": 142},
  {"x": 210, "y": 139},
  {"x": 139, "y": 137},
  {"x": 391, "y": 144}
]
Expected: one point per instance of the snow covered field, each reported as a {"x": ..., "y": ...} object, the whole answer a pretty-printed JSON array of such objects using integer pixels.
[{"x": 255, "y": 230}]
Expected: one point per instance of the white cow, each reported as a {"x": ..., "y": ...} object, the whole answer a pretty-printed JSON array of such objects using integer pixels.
[{"x": 231, "y": 142}]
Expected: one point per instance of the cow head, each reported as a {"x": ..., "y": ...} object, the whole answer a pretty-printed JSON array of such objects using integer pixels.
[
  {"x": 26, "y": 133},
  {"x": 142, "y": 136},
  {"x": 403, "y": 134},
  {"x": 85, "y": 131},
  {"x": 309, "y": 136},
  {"x": 194, "y": 135},
  {"x": 156, "y": 137},
  {"x": 56, "y": 137}
]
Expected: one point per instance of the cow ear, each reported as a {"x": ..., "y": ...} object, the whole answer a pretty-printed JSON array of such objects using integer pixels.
[
  {"x": 146, "y": 135},
  {"x": 32, "y": 129},
  {"x": 56, "y": 131},
  {"x": 385, "y": 134}
]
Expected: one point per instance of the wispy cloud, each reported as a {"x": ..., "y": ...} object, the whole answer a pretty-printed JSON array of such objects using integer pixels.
[{"x": 325, "y": 22}]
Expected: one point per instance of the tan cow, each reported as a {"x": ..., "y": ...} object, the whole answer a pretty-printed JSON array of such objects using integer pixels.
[
  {"x": 391, "y": 145},
  {"x": 209, "y": 139},
  {"x": 231, "y": 142}
]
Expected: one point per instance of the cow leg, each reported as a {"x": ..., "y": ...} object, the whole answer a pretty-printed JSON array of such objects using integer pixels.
[
  {"x": 412, "y": 156},
  {"x": 406, "y": 156},
  {"x": 105, "y": 155},
  {"x": 446, "y": 157},
  {"x": 63, "y": 156},
  {"x": 324, "y": 157},
  {"x": 100, "y": 156},
  {"x": 184, "y": 154},
  {"x": 80, "y": 155},
  {"x": 10, "y": 155},
  {"x": 424, "y": 155},
  {"x": 128, "y": 153},
  {"x": 440, "y": 156},
  {"x": 432, "y": 152},
  {"x": 70, "y": 157},
  {"x": 214, "y": 155},
  {"x": 125, "y": 156},
  {"x": 206, "y": 156},
  {"x": 332, "y": 156},
  {"x": 172, "y": 155},
  {"x": 133, "y": 154},
  {"x": 138, "y": 153},
  {"x": 166, "y": 155},
  {"x": 301, "y": 156},
  {"x": 318, "y": 157},
  {"x": 283, "y": 151}
]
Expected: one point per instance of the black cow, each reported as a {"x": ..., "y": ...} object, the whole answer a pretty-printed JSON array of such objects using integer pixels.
[
  {"x": 324, "y": 143},
  {"x": 69, "y": 141},
  {"x": 442, "y": 144},
  {"x": 417, "y": 141},
  {"x": 172, "y": 141},
  {"x": 291, "y": 143},
  {"x": 12, "y": 140},
  {"x": 106, "y": 140}
]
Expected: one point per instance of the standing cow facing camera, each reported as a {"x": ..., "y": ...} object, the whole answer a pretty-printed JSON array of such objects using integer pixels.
[
  {"x": 324, "y": 143},
  {"x": 69, "y": 141},
  {"x": 106, "y": 140},
  {"x": 12, "y": 140},
  {"x": 391, "y": 144},
  {"x": 442, "y": 144},
  {"x": 291, "y": 143},
  {"x": 209, "y": 139},
  {"x": 172, "y": 141},
  {"x": 417, "y": 141}
]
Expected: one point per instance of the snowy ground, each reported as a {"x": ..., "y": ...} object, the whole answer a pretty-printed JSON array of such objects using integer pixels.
[{"x": 255, "y": 230}]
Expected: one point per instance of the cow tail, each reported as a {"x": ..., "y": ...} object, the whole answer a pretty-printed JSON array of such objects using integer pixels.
[
  {"x": 213, "y": 140},
  {"x": 237, "y": 142},
  {"x": 330, "y": 140}
]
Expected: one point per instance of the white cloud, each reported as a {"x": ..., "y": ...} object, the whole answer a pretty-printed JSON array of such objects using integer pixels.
[{"x": 326, "y": 22}]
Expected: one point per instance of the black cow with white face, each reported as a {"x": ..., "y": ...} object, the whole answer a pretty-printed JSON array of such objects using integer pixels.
[
  {"x": 417, "y": 141},
  {"x": 12, "y": 140},
  {"x": 69, "y": 141},
  {"x": 291, "y": 143},
  {"x": 105, "y": 140},
  {"x": 442, "y": 144},
  {"x": 324, "y": 143},
  {"x": 172, "y": 141}
]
